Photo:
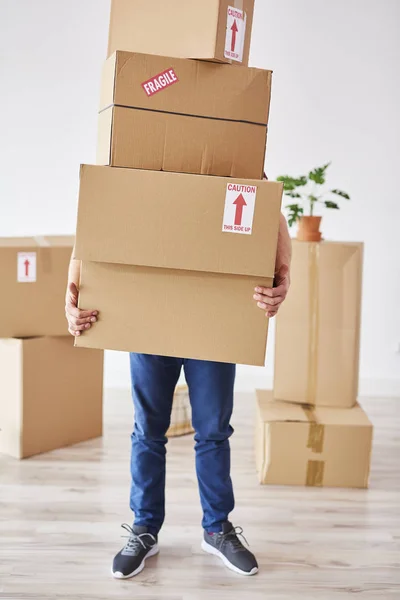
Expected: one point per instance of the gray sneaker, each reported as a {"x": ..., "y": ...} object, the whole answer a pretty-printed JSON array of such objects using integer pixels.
[
  {"x": 227, "y": 546},
  {"x": 130, "y": 561}
]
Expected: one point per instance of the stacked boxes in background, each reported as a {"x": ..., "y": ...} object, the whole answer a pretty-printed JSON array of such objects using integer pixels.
[
  {"x": 179, "y": 254},
  {"x": 50, "y": 393},
  {"x": 310, "y": 429}
]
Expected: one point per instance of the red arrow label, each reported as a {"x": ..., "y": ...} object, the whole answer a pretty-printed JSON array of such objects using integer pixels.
[
  {"x": 240, "y": 202},
  {"x": 27, "y": 264},
  {"x": 234, "y": 30}
]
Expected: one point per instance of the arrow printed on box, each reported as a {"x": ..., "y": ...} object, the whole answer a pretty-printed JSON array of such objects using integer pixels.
[
  {"x": 27, "y": 264},
  {"x": 234, "y": 30},
  {"x": 240, "y": 203}
]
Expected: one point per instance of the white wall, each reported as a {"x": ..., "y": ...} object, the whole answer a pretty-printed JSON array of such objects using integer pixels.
[{"x": 336, "y": 94}]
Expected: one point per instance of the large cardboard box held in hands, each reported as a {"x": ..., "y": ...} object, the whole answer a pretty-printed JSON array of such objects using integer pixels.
[
  {"x": 317, "y": 338},
  {"x": 217, "y": 30},
  {"x": 171, "y": 261},
  {"x": 50, "y": 395},
  {"x": 170, "y": 114},
  {"x": 33, "y": 275},
  {"x": 320, "y": 446}
]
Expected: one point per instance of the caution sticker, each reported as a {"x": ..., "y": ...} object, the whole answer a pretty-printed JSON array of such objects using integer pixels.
[
  {"x": 235, "y": 34},
  {"x": 240, "y": 201},
  {"x": 160, "y": 82},
  {"x": 26, "y": 267}
]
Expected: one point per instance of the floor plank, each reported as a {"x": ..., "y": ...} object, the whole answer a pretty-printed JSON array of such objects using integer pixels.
[{"x": 60, "y": 516}]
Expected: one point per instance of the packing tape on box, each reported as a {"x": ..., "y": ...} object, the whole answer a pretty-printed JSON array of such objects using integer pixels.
[
  {"x": 44, "y": 255},
  {"x": 315, "y": 442},
  {"x": 313, "y": 275},
  {"x": 41, "y": 241}
]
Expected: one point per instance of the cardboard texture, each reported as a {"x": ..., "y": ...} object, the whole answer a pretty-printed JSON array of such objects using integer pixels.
[
  {"x": 153, "y": 245},
  {"x": 41, "y": 409},
  {"x": 181, "y": 413},
  {"x": 318, "y": 446},
  {"x": 217, "y": 30},
  {"x": 202, "y": 118},
  {"x": 317, "y": 338},
  {"x": 34, "y": 273}
]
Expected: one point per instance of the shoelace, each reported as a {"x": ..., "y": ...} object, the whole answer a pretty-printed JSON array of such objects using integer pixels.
[
  {"x": 232, "y": 536},
  {"x": 135, "y": 541}
]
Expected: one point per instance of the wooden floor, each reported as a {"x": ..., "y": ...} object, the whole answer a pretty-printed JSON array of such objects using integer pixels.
[{"x": 60, "y": 515}]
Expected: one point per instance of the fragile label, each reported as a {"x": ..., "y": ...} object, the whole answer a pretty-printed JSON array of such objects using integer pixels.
[
  {"x": 26, "y": 267},
  {"x": 240, "y": 201},
  {"x": 160, "y": 82},
  {"x": 235, "y": 34}
]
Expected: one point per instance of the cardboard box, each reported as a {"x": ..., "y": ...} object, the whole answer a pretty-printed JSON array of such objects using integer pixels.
[
  {"x": 50, "y": 395},
  {"x": 171, "y": 114},
  {"x": 181, "y": 413},
  {"x": 217, "y": 30},
  {"x": 319, "y": 446},
  {"x": 33, "y": 275},
  {"x": 167, "y": 267},
  {"x": 318, "y": 326}
]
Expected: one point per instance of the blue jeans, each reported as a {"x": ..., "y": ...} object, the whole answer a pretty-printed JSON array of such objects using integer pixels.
[{"x": 211, "y": 395}]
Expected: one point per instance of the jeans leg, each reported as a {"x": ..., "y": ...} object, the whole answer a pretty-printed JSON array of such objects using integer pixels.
[
  {"x": 211, "y": 394},
  {"x": 153, "y": 383}
]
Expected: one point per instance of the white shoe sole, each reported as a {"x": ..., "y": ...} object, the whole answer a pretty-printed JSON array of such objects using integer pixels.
[
  {"x": 211, "y": 550},
  {"x": 118, "y": 575}
]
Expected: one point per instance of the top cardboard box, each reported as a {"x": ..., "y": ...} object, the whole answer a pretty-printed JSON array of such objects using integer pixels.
[
  {"x": 33, "y": 274},
  {"x": 217, "y": 30},
  {"x": 188, "y": 116}
]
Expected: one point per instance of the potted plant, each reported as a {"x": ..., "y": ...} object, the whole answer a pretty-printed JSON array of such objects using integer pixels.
[{"x": 306, "y": 190}]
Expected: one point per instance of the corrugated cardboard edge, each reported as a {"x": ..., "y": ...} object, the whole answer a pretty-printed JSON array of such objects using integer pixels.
[
  {"x": 358, "y": 324},
  {"x": 11, "y": 441}
]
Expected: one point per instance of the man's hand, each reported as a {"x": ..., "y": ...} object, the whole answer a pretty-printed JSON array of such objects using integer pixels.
[
  {"x": 270, "y": 299},
  {"x": 78, "y": 320}
]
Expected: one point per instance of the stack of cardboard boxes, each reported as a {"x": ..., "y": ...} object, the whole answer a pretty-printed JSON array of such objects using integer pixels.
[
  {"x": 310, "y": 429},
  {"x": 174, "y": 240},
  {"x": 50, "y": 393}
]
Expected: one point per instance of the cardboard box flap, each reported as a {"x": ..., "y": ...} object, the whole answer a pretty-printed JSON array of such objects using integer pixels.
[
  {"x": 187, "y": 87},
  {"x": 286, "y": 412},
  {"x": 175, "y": 221},
  {"x": 273, "y": 411},
  {"x": 39, "y": 241}
]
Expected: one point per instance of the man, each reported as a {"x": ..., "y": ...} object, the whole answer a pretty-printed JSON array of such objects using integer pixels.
[{"x": 211, "y": 394}]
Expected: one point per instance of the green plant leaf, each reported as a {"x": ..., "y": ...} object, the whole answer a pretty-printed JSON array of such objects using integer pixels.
[
  {"x": 293, "y": 194},
  {"x": 300, "y": 181},
  {"x": 330, "y": 204},
  {"x": 291, "y": 183},
  {"x": 340, "y": 193},
  {"x": 318, "y": 174},
  {"x": 313, "y": 198},
  {"x": 295, "y": 212}
]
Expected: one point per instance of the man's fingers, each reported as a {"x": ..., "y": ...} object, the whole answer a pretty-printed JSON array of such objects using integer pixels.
[
  {"x": 75, "y": 327},
  {"x": 271, "y": 314},
  {"x": 267, "y": 303},
  {"x": 74, "y": 333},
  {"x": 272, "y": 292},
  {"x": 83, "y": 321},
  {"x": 76, "y": 312}
]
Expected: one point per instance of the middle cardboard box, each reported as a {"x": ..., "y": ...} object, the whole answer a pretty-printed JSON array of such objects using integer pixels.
[
  {"x": 187, "y": 116},
  {"x": 171, "y": 261}
]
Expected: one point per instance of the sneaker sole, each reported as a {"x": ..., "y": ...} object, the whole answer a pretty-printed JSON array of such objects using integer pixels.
[
  {"x": 118, "y": 575},
  {"x": 211, "y": 550}
]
